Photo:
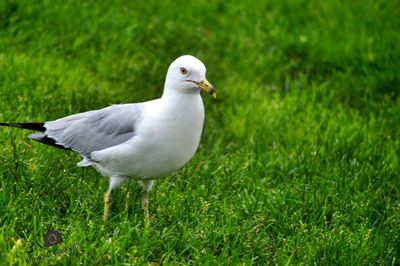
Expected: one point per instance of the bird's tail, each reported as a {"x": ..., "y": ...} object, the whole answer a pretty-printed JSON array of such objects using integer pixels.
[{"x": 32, "y": 126}]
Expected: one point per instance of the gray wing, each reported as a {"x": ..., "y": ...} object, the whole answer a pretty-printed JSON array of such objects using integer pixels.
[{"x": 95, "y": 130}]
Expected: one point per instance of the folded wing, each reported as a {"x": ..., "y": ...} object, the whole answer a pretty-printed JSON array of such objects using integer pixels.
[{"x": 93, "y": 130}]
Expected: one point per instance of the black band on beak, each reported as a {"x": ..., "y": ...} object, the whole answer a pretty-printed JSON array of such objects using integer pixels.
[{"x": 212, "y": 91}]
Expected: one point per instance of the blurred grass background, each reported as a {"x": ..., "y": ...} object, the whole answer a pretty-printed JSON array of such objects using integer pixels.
[{"x": 298, "y": 162}]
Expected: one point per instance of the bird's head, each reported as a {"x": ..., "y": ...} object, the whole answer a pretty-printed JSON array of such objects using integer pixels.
[{"x": 187, "y": 74}]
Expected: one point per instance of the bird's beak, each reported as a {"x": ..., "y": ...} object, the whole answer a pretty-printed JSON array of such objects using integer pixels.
[{"x": 207, "y": 87}]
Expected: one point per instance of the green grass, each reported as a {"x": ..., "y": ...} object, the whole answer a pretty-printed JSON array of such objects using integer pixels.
[{"x": 299, "y": 158}]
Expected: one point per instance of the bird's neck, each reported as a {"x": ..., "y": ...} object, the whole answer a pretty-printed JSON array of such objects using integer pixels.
[
  {"x": 183, "y": 93},
  {"x": 180, "y": 93},
  {"x": 183, "y": 100}
]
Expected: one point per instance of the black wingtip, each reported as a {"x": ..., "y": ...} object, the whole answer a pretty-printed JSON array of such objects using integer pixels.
[
  {"x": 40, "y": 137},
  {"x": 32, "y": 126},
  {"x": 43, "y": 138}
]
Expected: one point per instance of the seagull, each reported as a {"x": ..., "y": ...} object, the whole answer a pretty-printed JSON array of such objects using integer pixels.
[{"x": 142, "y": 141}]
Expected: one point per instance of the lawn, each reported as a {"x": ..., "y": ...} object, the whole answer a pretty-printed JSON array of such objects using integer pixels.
[{"x": 299, "y": 157}]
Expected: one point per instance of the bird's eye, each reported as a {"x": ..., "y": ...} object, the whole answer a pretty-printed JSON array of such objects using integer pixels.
[{"x": 183, "y": 71}]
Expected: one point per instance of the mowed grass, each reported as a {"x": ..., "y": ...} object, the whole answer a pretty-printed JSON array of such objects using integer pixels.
[{"x": 298, "y": 162}]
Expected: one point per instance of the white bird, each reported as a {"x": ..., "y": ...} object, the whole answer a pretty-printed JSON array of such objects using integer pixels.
[{"x": 142, "y": 141}]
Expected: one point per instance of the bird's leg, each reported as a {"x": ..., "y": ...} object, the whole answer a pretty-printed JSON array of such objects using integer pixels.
[
  {"x": 145, "y": 206},
  {"x": 147, "y": 184},
  {"x": 107, "y": 203},
  {"x": 115, "y": 181}
]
